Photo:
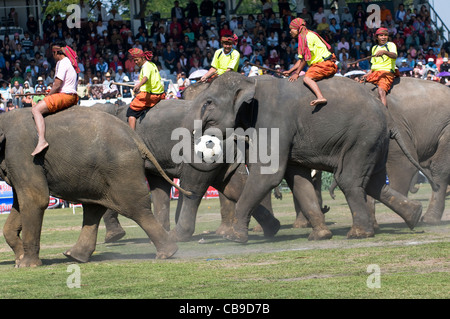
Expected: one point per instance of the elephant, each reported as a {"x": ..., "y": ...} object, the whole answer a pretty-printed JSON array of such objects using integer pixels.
[
  {"x": 156, "y": 128},
  {"x": 349, "y": 136},
  {"x": 421, "y": 113},
  {"x": 94, "y": 159}
]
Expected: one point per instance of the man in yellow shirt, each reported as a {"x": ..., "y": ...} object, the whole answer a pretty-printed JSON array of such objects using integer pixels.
[
  {"x": 382, "y": 72},
  {"x": 149, "y": 90},
  {"x": 225, "y": 59},
  {"x": 314, "y": 51}
]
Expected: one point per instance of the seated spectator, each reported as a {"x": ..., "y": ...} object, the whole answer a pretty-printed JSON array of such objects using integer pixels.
[
  {"x": 120, "y": 75},
  {"x": 182, "y": 81},
  {"x": 16, "y": 89},
  {"x": 95, "y": 90},
  {"x": 419, "y": 71},
  {"x": 323, "y": 26},
  {"x": 10, "y": 106},
  {"x": 101, "y": 65},
  {"x": 346, "y": 17},
  {"x": 445, "y": 66},
  {"x": 245, "y": 49},
  {"x": 5, "y": 91},
  {"x": 109, "y": 90},
  {"x": 213, "y": 43}
]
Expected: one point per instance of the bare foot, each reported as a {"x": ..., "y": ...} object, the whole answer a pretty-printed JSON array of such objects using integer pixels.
[
  {"x": 318, "y": 101},
  {"x": 39, "y": 148}
]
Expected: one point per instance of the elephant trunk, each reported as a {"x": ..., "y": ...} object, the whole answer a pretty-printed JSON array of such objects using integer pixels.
[{"x": 396, "y": 135}]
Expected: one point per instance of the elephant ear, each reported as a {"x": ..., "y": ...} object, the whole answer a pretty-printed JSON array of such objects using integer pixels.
[{"x": 244, "y": 93}]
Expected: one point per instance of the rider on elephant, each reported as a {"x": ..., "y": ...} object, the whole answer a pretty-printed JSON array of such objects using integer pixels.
[
  {"x": 225, "y": 59},
  {"x": 314, "y": 51},
  {"x": 149, "y": 89},
  {"x": 63, "y": 93},
  {"x": 382, "y": 72}
]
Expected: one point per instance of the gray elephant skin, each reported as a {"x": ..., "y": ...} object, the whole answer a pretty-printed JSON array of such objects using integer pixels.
[
  {"x": 94, "y": 159},
  {"x": 155, "y": 128},
  {"x": 421, "y": 112},
  {"x": 349, "y": 136}
]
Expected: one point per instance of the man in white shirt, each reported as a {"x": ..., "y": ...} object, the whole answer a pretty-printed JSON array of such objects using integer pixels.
[{"x": 63, "y": 93}]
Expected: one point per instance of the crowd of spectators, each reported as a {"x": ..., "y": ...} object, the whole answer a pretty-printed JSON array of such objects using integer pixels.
[{"x": 186, "y": 42}]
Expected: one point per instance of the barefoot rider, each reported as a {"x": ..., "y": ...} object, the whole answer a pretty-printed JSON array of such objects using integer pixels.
[
  {"x": 314, "y": 51},
  {"x": 63, "y": 93}
]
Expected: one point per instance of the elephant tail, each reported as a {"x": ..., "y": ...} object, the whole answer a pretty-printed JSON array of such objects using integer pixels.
[
  {"x": 395, "y": 135},
  {"x": 147, "y": 154}
]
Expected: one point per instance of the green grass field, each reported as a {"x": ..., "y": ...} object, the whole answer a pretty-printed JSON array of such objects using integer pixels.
[{"x": 396, "y": 263}]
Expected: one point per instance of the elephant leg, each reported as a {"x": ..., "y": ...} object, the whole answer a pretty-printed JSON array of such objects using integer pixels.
[
  {"x": 85, "y": 246},
  {"x": 160, "y": 190},
  {"x": 300, "y": 182},
  {"x": 31, "y": 214},
  {"x": 371, "y": 208},
  {"x": 232, "y": 189},
  {"x": 300, "y": 220},
  {"x": 166, "y": 247},
  {"x": 12, "y": 229},
  {"x": 255, "y": 189},
  {"x": 352, "y": 185},
  {"x": 114, "y": 230},
  {"x": 440, "y": 172},
  {"x": 436, "y": 205},
  {"x": 227, "y": 208},
  {"x": 407, "y": 209},
  {"x": 187, "y": 213},
  {"x": 265, "y": 218}
]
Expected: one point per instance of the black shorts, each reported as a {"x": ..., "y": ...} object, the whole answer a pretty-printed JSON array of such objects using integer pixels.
[{"x": 135, "y": 114}]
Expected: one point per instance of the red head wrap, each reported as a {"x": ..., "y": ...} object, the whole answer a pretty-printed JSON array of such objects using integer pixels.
[
  {"x": 300, "y": 25},
  {"x": 71, "y": 54},
  {"x": 233, "y": 39},
  {"x": 138, "y": 53},
  {"x": 382, "y": 31}
]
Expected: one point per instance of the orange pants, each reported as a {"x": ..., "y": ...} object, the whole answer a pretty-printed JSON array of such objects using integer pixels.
[
  {"x": 383, "y": 79},
  {"x": 322, "y": 69},
  {"x": 60, "y": 101},
  {"x": 144, "y": 100}
]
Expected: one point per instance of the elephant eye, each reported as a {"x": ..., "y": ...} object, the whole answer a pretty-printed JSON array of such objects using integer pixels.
[{"x": 208, "y": 102}]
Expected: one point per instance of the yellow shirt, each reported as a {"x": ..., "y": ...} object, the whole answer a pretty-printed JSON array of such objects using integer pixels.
[
  {"x": 153, "y": 84},
  {"x": 319, "y": 50},
  {"x": 383, "y": 63},
  {"x": 222, "y": 62}
]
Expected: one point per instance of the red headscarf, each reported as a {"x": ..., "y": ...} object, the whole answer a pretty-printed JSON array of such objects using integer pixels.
[
  {"x": 382, "y": 31},
  {"x": 300, "y": 25},
  {"x": 68, "y": 52},
  {"x": 233, "y": 39},
  {"x": 138, "y": 53}
]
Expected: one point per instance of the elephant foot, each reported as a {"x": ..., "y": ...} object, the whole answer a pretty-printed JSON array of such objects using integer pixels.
[
  {"x": 431, "y": 219},
  {"x": 359, "y": 233},
  {"x": 301, "y": 223},
  {"x": 178, "y": 236},
  {"x": 28, "y": 262},
  {"x": 271, "y": 229},
  {"x": 77, "y": 256},
  {"x": 239, "y": 236},
  {"x": 114, "y": 235},
  {"x": 415, "y": 217},
  {"x": 167, "y": 251},
  {"x": 320, "y": 234},
  {"x": 223, "y": 229},
  {"x": 257, "y": 229}
]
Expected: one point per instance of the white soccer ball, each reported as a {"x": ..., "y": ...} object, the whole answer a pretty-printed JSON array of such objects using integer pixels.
[{"x": 209, "y": 148}]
